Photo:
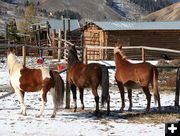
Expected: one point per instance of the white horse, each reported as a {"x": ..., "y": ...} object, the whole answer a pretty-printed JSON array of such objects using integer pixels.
[{"x": 23, "y": 79}]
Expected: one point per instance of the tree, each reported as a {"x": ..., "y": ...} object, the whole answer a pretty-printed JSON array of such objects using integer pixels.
[
  {"x": 26, "y": 3},
  {"x": 38, "y": 3},
  {"x": 29, "y": 18},
  {"x": 67, "y": 14},
  {"x": 11, "y": 30}
]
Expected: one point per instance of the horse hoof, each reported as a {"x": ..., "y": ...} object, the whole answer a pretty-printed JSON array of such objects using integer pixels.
[
  {"x": 24, "y": 114},
  {"x": 121, "y": 110},
  {"x": 74, "y": 110},
  {"x": 159, "y": 110},
  {"x": 130, "y": 109},
  {"x": 108, "y": 113},
  {"x": 52, "y": 116},
  {"x": 38, "y": 116},
  {"x": 96, "y": 113},
  {"x": 147, "y": 110},
  {"x": 82, "y": 108}
]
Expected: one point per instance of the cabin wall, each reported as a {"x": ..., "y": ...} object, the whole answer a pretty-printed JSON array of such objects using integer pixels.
[
  {"x": 160, "y": 39},
  {"x": 95, "y": 36}
]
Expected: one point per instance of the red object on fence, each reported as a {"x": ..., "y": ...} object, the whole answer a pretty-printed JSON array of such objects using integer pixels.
[
  {"x": 60, "y": 67},
  {"x": 40, "y": 61}
]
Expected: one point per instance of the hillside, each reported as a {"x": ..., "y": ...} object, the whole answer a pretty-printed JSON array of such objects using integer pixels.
[
  {"x": 128, "y": 9},
  {"x": 5, "y": 13},
  {"x": 89, "y": 10},
  {"x": 153, "y": 5},
  {"x": 169, "y": 13},
  {"x": 94, "y": 10}
]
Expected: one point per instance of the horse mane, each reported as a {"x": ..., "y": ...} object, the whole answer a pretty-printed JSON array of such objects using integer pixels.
[
  {"x": 72, "y": 56},
  {"x": 12, "y": 61}
]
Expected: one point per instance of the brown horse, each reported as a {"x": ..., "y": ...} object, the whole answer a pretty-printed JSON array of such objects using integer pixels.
[
  {"x": 133, "y": 76},
  {"x": 87, "y": 75}
]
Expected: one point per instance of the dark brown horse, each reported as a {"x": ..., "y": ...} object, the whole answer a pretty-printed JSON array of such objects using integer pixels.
[
  {"x": 87, "y": 76},
  {"x": 133, "y": 76}
]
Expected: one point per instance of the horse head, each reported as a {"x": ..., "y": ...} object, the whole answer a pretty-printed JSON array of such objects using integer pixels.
[
  {"x": 118, "y": 49},
  {"x": 72, "y": 56},
  {"x": 11, "y": 50}
]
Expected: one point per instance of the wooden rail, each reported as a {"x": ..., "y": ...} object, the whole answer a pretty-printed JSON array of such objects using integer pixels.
[
  {"x": 143, "y": 50},
  {"x": 136, "y": 47}
]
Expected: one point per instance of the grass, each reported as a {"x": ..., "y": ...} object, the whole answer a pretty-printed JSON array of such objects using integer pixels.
[
  {"x": 168, "y": 114},
  {"x": 167, "y": 81},
  {"x": 154, "y": 118}
]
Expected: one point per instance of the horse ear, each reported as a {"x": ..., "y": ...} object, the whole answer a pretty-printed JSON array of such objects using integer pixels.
[
  {"x": 117, "y": 44},
  {"x": 11, "y": 50},
  {"x": 120, "y": 46}
]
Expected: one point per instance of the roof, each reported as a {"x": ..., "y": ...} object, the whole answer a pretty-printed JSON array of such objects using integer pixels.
[
  {"x": 121, "y": 25},
  {"x": 58, "y": 24}
]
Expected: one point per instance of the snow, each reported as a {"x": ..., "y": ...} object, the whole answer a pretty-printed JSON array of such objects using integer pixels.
[{"x": 71, "y": 123}]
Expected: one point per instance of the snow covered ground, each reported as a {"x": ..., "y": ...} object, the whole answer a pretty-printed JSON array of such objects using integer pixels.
[{"x": 68, "y": 123}]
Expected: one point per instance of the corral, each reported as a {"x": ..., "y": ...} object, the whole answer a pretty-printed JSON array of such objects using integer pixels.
[{"x": 84, "y": 122}]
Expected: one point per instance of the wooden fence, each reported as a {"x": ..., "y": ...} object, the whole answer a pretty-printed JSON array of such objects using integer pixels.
[
  {"x": 140, "y": 52},
  {"x": 109, "y": 67}
]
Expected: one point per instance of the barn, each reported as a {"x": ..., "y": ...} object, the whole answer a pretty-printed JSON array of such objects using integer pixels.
[{"x": 150, "y": 34}]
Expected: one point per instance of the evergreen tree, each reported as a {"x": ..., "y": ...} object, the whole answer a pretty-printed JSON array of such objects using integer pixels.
[
  {"x": 11, "y": 30},
  {"x": 29, "y": 18}
]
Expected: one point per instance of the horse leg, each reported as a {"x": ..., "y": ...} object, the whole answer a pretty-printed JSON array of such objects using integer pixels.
[
  {"x": 148, "y": 97},
  {"x": 159, "y": 104},
  {"x": 96, "y": 97},
  {"x": 108, "y": 104},
  {"x": 121, "y": 89},
  {"x": 43, "y": 102},
  {"x": 130, "y": 99},
  {"x": 55, "y": 105},
  {"x": 73, "y": 89},
  {"x": 20, "y": 96},
  {"x": 81, "y": 90}
]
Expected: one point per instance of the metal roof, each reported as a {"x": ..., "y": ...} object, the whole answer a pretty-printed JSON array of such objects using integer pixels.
[
  {"x": 121, "y": 25},
  {"x": 58, "y": 24}
]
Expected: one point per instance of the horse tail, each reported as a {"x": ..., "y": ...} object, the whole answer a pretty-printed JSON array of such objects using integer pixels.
[
  {"x": 58, "y": 95},
  {"x": 105, "y": 84},
  {"x": 155, "y": 86}
]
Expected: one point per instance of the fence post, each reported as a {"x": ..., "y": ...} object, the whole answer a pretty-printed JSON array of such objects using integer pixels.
[
  {"x": 143, "y": 55},
  {"x": 24, "y": 55},
  {"x": 85, "y": 55},
  {"x": 67, "y": 83},
  {"x": 59, "y": 45},
  {"x": 177, "y": 87},
  {"x": 53, "y": 44},
  {"x": 65, "y": 46},
  {"x": 67, "y": 92}
]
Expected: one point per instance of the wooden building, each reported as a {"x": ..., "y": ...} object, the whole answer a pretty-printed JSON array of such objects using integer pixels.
[
  {"x": 44, "y": 29},
  {"x": 151, "y": 34}
]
